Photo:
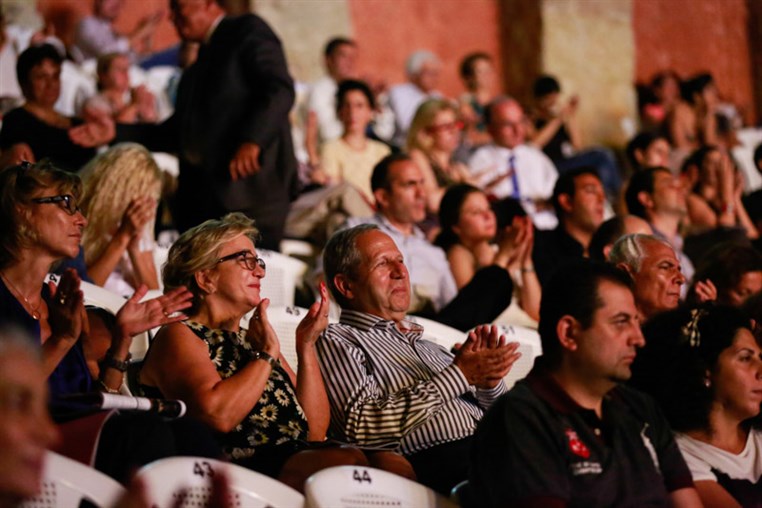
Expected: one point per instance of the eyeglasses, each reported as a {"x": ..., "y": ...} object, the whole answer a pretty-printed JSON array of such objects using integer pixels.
[
  {"x": 66, "y": 201},
  {"x": 246, "y": 259},
  {"x": 449, "y": 126}
]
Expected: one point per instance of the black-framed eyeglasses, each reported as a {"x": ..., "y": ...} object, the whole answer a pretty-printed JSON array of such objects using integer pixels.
[
  {"x": 246, "y": 259},
  {"x": 66, "y": 201}
]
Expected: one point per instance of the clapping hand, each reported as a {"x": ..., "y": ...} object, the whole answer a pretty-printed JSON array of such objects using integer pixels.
[
  {"x": 314, "y": 322},
  {"x": 66, "y": 312},
  {"x": 136, "y": 317},
  {"x": 245, "y": 162},
  {"x": 99, "y": 129},
  {"x": 485, "y": 358},
  {"x": 261, "y": 334}
]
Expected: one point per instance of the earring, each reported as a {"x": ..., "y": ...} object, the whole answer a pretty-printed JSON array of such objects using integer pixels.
[{"x": 707, "y": 382}]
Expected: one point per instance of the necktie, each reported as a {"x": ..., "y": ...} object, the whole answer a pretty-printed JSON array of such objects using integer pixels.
[{"x": 514, "y": 178}]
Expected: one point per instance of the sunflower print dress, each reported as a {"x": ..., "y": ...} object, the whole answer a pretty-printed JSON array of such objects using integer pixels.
[{"x": 277, "y": 417}]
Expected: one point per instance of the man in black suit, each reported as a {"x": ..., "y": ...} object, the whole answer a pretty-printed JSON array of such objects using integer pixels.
[{"x": 230, "y": 128}]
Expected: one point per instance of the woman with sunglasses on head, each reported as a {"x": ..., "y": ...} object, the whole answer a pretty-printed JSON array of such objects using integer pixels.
[
  {"x": 432, "y": 140},
  {"x": 234, "y": 379},
  {"x": 704, "y": 368}
]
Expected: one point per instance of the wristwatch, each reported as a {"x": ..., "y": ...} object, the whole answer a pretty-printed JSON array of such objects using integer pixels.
[
  {"x": 261, "y": 355},
  {"x": 120, "y": 365}
]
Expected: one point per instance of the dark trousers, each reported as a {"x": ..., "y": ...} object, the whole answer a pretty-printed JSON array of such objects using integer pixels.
[
  {"x": 480, "y": 301},
  {"x": 443, "y": 466}
]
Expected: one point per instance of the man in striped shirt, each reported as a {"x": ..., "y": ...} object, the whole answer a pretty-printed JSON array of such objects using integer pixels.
[{"x": 387, "y": 387}]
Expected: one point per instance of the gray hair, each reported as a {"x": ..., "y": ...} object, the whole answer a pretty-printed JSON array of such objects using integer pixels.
[
  {"x": 417, "y": 59},
  {"x": 341, "y": 256},
  {"x": 629, "y": 250}
]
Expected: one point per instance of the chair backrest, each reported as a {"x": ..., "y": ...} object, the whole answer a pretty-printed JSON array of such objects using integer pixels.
[
  {"x": 355, "y": 487},
  {"x": 445, "y": 336},
  {"x": 166, "y": 478},
  {"x": 530, "y": 348},
  {"x": 66, "y": 482},
  {"x": 284, "y": 275}
]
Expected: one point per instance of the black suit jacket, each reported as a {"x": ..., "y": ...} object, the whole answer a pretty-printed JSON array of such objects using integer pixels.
[{"x": 239, "y": 90}]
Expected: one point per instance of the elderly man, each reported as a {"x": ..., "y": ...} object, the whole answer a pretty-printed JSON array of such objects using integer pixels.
[
  {"x": 571, "y": 434},
  {"x": 422, "y": 69},
  {"x": 397, "y": 184},
  {"x": 389, "y": 388},
  {"x": 579, "y": 200},
  {"x": 655, "y": 271},
  {"x": 509, "y": 168}
]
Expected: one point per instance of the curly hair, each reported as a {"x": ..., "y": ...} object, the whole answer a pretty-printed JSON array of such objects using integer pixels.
[
  {"x": 18, "y": 184},
  {"x": 112, "y": 180},
  {"x": 198, "y": 249}
]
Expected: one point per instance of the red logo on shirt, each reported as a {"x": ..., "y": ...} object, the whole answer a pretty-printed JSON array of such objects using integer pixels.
[{"x": 576, "y": 446}]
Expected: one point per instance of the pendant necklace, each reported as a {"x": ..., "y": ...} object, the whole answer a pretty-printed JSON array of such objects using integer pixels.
[{"x": 35, "y": 309}]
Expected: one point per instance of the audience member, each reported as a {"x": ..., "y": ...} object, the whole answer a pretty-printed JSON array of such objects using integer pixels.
[
  {"x": 693, "y": 121},
  {"x": 704, "y": 368},
  {"x": 422, "y": 69},
  {"x": 656, "y": 195},
  {"x": 477, "y": 71},
  {"x": 116, "y": 98},
  {"x": 716, "y": 197},
  {"x": 753, "y": 202},
  {"x": 386, "y": 386},
  {"x": 230, "y": 127},
  {"x": 40, "y": 224},
  {"x": 648, "y": 150},
  {"x": 578, "y": 199},
  {"x": 735, "y": 270},
  {"x": 469, "y": 231},
  {"x": 432, "y": 142},
  {"x": 351, "y": 158},
  {"x": 95, "y": 35},
  {"x": 665, "y": 95},
  {"x": 122, "y": 187},
  {"x": 36, "y": 130},
  {"x": 571, "y": 434},
  {"x": 237, "y": 380},
  {"x": 339, "y": 57},
  {"x": 655, "y": 271},
  {"x": 400, "y": 200},
  {"x": 556, "y": 132},
  {"x": 612, "y": 230},
  {"x": 509, "y": 168},
  {"x": 26, "y": 429}
]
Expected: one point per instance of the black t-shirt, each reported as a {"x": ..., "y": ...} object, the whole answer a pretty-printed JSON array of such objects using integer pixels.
[{"x": 537, "y": 447}]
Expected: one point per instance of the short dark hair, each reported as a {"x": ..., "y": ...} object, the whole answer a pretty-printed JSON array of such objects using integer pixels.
[
  {"x": 641, "y": 181},
  {"x": 681, "y": 346},
  {"x": 607, "y": 233},
  {"x": 545, "y": 85},
  {"x": 696, "y": 85},
  {"x": 380, "y": 177},
  {"x": 641, "y": 142},
  {"x": 333, "y": 45},
  {"x": 468, "y": 64},
  {"x": 566, "y": 185},
  {"x": 341, "y": 256},
  {"x": 349, "y": 85},
  {"x": 32, "y": 57},
  {"x": 449, "y": 213},
  {"x": 573, "y": 290}
]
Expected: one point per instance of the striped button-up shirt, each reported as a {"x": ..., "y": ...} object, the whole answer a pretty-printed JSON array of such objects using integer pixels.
[{"x": 389, "y": 388}]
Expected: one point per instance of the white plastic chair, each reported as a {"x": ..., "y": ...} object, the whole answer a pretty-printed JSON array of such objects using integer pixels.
[
  {"x": 66, "y": 482},
  {"x": 530, "y": 348},
  {"x": 445, "y": 336},
  {"x": 365, "y": 487},
  {"x": 166, "y": 478},
  {"x": 284, "y": 275}
]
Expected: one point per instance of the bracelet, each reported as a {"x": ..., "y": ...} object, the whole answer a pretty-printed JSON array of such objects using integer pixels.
[
  {"x": 261, "y": 355},
  {"x": 107, "y": 389},
  {"x": 110, "y": 361}
]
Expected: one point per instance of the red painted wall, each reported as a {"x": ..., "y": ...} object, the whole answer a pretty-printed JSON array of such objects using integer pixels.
[
  {"x": 388, "y": 31},
  {"x": 692, "y": 36}
]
